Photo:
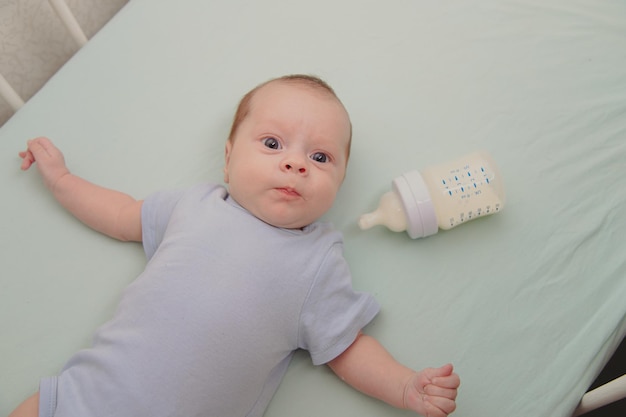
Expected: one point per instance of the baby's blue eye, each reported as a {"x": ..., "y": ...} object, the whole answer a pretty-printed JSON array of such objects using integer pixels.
[
  {"x": 320, "y": 157},
  {"x": 271, "y": 143}
]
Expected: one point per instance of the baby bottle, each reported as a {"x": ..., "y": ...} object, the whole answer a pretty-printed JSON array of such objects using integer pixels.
[{"x": 440, "y": 197}]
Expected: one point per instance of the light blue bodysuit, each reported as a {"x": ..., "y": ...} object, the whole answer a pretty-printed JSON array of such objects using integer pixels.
[{"x": 209, "y": 327}]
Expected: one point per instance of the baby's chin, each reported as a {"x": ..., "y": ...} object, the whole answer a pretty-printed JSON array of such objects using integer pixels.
[
  {"x": 284, "y": 220},
  {"x": 282, "y": 215},
  {"x": 282, "y": 224}
]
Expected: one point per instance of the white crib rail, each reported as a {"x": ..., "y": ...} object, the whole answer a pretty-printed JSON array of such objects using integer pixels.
[
  {"x": 9, "y": 94},
  {"x": 68, "y": 19},
  {"x": 603, "y": 395}
]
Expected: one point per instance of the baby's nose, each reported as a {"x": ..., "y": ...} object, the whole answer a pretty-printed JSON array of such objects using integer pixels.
[{"x": 294, "y": 165}]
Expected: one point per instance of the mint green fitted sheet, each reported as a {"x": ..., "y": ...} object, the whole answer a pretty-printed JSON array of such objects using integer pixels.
[{"x": 527, "y": 304}]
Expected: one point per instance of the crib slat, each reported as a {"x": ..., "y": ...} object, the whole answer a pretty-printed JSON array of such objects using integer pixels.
[
  {"x": 608, "y": 393},
  {"x": 70, "y": 22},
  {"x": 9, "y": 94}
]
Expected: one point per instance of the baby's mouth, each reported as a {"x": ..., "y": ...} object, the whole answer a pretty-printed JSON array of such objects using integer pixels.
[{"x": 288, "y": 191}]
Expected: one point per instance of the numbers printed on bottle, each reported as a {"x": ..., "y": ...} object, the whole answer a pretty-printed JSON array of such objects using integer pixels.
[
  {"x": 472, "y": 214},
  {"x": 464, "y": 191},
  {"x": 466, "y": 181}
]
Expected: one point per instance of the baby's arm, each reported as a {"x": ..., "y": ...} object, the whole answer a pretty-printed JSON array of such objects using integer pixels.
[
  {"x": 110, "y": 212},
  {"x": 367, "y": 366}
]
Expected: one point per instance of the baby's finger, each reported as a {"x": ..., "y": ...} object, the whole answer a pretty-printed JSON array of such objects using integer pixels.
[
  {"x": 442, "y": 371},
  {"x": 27, "y": 159},
  {"x": 439, "y": 406},
  {"x": 435, "y": 391},
  {"x": 451, "y": 381},
  {"x": 39, "y": 146}
]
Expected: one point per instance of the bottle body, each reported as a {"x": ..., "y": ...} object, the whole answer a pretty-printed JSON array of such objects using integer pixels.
[
  {"x": 440, "y": 197},
  {"x": 464, "y": 189}
]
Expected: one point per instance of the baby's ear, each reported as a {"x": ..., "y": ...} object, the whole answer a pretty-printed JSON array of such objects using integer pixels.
[{"x": 227, "y": 150}]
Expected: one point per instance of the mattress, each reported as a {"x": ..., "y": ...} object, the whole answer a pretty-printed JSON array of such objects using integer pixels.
[{"x": 528, "y": 304}]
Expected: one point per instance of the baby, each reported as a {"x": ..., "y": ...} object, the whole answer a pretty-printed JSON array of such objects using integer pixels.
[{"x": 237, "y": 278}]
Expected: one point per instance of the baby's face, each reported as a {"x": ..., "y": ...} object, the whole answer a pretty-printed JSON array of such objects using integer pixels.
[{"x": 289, "y": 155}]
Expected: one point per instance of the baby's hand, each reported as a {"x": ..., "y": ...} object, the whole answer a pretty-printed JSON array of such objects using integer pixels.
[
  {"x": 50, "y": 161},
  {"x": 432, "y": 392}
]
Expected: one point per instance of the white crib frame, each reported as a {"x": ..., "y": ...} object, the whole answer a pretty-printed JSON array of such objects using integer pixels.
[
  {"x": 69, "y": 21},
  {"x": 608, "y": 393},
  {"x": 7, "y": 92}
]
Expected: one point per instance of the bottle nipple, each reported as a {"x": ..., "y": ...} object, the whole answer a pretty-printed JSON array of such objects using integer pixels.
[{"x": 390, "y": 213}]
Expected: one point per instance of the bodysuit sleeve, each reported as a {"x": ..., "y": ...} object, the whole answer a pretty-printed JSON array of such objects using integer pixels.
[
  {"x": 155, "y": 215},
  {"x": 333, "y": 313}
]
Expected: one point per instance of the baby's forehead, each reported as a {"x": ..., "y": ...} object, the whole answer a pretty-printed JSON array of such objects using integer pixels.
[
  {"x": 273, "y": 98},
  {"x": 269, "y": 95}
]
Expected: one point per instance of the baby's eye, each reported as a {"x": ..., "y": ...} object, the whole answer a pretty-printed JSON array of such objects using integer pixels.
[
  {"x": 320, "y": 157},
  {"x": 271, "y": 143}
]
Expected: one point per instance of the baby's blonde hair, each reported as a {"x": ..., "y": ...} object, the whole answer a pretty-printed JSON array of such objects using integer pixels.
[{"x": 243, "y": 109}]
